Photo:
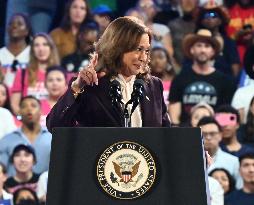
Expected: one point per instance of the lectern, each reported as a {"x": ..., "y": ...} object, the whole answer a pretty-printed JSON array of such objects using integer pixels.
[{"x": 127, "y": 166}]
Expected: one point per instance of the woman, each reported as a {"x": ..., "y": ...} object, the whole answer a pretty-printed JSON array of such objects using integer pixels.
[
  {"x": 123, "y": 54},
  {"x": 77, "y": 13},
  {"x": 31, "y": 81},
  {"x": 16, "y": 54},
  {"x": 199, "y": 111},
  {"x": 56, "y": 85},
  {"x": 4, "y": 97},
  {"x": 162, "y": 68},
  {"x": 225, "y": 179}
]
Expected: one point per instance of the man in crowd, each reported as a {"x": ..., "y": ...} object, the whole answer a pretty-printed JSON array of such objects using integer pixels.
[
  {"x": 23, "y": 159},
  {"x": 229, "y": 120},
  {"x": 211, "y": 132},
  {"x": 31, "y": 133},
  {"x": 201, "y": 82},
  {"x": 245, "y": 196}
]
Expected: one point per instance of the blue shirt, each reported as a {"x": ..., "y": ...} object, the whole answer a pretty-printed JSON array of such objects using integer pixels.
[
  {"x": 243, "y": 150},
  {"x": 41, "y": 145},
  {"x": 239, "y": 197}
]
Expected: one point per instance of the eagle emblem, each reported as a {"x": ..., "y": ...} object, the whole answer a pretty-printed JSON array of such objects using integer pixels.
[{"x": 126, "y": 175}]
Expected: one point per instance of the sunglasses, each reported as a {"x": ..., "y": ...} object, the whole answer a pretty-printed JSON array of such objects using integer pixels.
[{"x": 211, "y": 14}]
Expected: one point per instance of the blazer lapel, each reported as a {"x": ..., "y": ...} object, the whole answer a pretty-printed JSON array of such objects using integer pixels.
[
  {"x": 105, "y": 101},
  {"x": 146, "y": 106}
]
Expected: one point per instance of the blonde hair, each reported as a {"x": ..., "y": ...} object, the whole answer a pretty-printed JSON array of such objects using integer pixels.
[
  {"x": 121, "y": 36},
  {"x": 33, "y": 63}
]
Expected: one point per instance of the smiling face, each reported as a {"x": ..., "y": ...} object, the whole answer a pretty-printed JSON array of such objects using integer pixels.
[
  {"x": 78, "y": 11},
  {"x": 135, "y": 60},
  {"x": 23, "y": 161}
]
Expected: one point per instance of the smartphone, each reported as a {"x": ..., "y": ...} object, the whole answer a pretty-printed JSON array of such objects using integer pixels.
[{"x": 225, "y": 119}]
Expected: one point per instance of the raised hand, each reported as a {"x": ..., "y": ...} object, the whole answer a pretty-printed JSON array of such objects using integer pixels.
[{"x": 87, "y": 76}]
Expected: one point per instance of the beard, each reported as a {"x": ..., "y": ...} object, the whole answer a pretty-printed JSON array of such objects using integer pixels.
[{"x": 201, "y": 59}]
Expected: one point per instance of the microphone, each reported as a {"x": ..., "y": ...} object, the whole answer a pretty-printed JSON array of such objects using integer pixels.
[
  {"x": 115, "y": 93},
  {"x": 137, "y": 93}
]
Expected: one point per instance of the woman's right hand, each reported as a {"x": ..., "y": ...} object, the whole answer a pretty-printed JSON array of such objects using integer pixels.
[{"x": 87, "y": 76}]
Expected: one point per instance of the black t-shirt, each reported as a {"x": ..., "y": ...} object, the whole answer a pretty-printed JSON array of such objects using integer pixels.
[
  {"x": 11, "y": 185},
  {"x": 190, "y": 88},
  {"x": 74, "y": 62},
  {"x": 239, "y": 198}
]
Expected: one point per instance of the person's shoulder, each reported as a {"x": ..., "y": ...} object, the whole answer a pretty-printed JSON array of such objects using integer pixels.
[
  {"x": 10, "y": 181},
  {"x": 56, "y": 31},
  {"x": 228, "y": 156},
  {"x": 4, "y": 113},
  {"x": 3, "y": 50}
]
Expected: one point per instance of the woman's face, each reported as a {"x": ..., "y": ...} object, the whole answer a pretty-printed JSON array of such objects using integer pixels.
[
  {"x": 198, "y": 114},
  {"x": 56, "y": 83},
  {"x": 3, "y": 95},
  {"x": 17, "y": 27},
  {"x": 159, "y": 61},
  {"x": 78, "y": 11},
  {"x": 41, "y": 49},
  {"x": 134, "y": 61},
  {"x": 222, "y": 179}
]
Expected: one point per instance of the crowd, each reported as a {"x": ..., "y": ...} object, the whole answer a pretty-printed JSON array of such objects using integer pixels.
[{"x": 202, "y": 51}]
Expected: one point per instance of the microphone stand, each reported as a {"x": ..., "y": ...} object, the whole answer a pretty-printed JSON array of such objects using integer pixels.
[{"x": 127, "y": 117}]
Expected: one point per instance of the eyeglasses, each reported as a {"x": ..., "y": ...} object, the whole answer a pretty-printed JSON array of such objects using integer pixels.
[
  {"x": 211, "y": 15},
  {"x": 211, "y": 134}
]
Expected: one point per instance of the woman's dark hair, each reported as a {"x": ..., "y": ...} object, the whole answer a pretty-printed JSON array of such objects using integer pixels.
[
  {"x": 28, "y": 25},
  {"x": 66, "y": 22},
  {"x": 56, "y": 68},
  {"x": 230, "y": 3},
  {"x": 170, "y": 70},
  {"x": 230, "y": 179},
  {"x": 249, "y": 127},
  {"x": 16, "y": 194},
  {"x": 7, "y": 103}
]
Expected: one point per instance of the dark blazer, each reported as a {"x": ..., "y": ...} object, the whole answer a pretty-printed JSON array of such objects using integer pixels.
[{"x": 93, "y": 108}]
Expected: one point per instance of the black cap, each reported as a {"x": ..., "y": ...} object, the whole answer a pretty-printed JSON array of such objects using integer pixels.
[{"x": 27, "y": 148}]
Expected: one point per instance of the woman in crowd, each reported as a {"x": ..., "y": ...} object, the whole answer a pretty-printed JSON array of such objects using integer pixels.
[
  {"x": 56, "y": 85},
  {"x": 76, "y": 13},
  {"x": 224, "y": 178},
  {"x": 162, "y": 68},
  {"x": 199, "y": 111},
  {"x": 4, "y": 97},
  {"x": 31, "y": 81},
  {"x": 16, "y": 54},
  {"x": 123, "y": 53}
]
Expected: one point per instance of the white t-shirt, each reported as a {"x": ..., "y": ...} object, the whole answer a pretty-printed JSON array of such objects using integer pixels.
[
  {"x": 6, "y": 61},
  {"x": 42, "y": 185},
  {"x": 7, "y": 123},
  {"x": 7, "y": 196},
  {"x": 242, "y": 98},
  {"x": 216, "y": 192}
]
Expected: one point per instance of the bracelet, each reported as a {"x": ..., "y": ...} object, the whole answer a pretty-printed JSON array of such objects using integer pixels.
[{"x": 75, "y": 93}]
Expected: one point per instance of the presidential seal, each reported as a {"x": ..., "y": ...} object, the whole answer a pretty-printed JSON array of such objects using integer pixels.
[{"x": 126, "y": 170}]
